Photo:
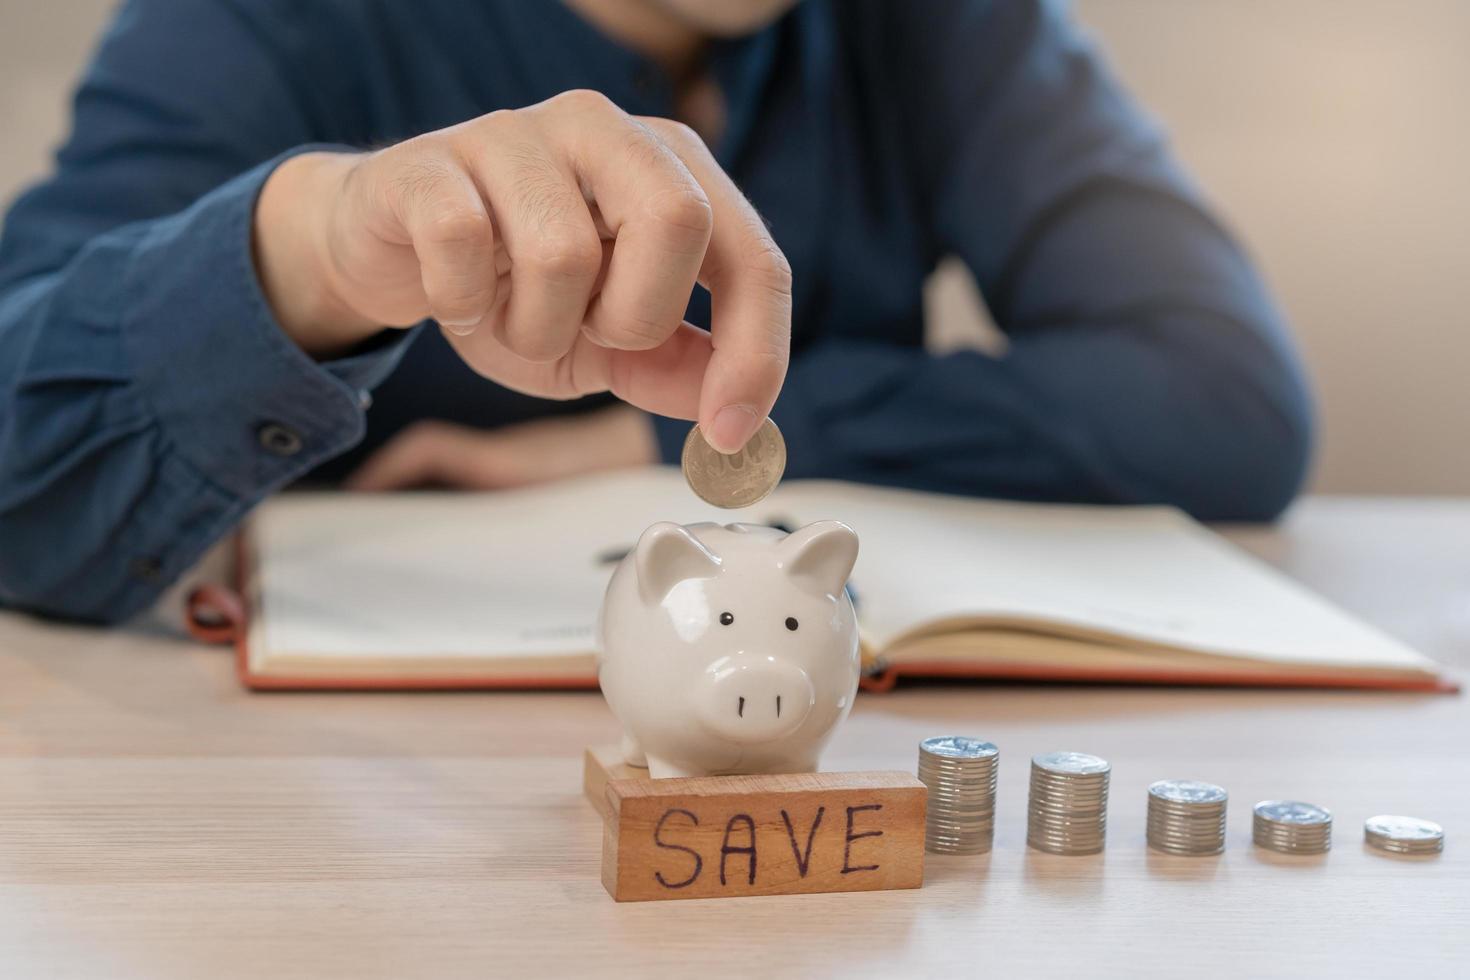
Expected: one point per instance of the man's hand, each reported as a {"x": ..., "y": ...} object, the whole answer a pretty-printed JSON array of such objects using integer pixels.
[
  {"x": 443, "y": 454},
  {"x": 556, "y": 245}
]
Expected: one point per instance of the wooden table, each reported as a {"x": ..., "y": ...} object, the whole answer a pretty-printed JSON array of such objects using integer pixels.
[{"x": 156, "y": 821}]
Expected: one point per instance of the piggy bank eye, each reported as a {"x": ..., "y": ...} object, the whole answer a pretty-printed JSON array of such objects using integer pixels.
[
  {"x": 791, "y": 623},
  {"x": 726, "y": 618}
]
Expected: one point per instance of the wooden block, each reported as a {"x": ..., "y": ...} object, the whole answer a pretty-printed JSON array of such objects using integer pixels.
[
  {"x": 727, "y": 836},
  {"x": 601, "y": 763}
]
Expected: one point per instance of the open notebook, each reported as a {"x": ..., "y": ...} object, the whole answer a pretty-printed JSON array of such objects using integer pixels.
[{"x": 502, "y": 590}]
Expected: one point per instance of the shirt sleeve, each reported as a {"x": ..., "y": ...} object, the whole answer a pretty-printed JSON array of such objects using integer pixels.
[
  {"x": 148, "y": 398},
  {"x": 1145, "y": 360}
]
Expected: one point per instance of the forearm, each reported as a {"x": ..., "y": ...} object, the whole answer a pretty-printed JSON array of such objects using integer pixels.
[
  {"x": 150, "y": 399},
  {"x": 1146, "y": 363},
  {"x": 1167, "y": 409}
]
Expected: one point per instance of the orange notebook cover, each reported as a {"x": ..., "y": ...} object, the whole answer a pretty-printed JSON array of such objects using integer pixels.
[{"x": 500, "y": 590}]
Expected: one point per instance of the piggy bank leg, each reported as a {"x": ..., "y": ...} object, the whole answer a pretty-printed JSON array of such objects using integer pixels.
[
  {"x": 798, "y": 766},
  {"x": 800, "y": 763},
  {"x": 633, "y": 752},
  {"x": 663, "y": 769}
]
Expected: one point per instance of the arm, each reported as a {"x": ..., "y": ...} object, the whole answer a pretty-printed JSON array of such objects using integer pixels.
[
  {"x": 156, "y": 356},
  {"x": 147, "y": 396},
  {"x": 1146, "y": 362}
]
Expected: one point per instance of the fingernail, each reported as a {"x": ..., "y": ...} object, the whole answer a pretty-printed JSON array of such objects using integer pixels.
[
  {"x": 460, "y": 328},
  {"x": 734, "y": 425}
]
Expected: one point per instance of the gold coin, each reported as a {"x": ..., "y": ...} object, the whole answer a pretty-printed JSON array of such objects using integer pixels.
[{"x": 739, "y": 479}]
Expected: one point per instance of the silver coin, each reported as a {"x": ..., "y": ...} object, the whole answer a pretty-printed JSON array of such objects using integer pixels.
[
  {"x": 1398, "y": 847},
  {"x": 958, "y": 747},
  {"x": 1403, "y": 830},
  {"x": 1187, "y": 791},
  {"x": 1192, "y": 843},
  {"x": 739, "y": 479},
  {"x": 1292, "y": 812},
  {"x": 982, "y": 788},
  {"x": 1202, "y": 831},
  {"x": 1192, "y": 821},
  {"x": 1053, "y": 846},
  {"x": 1059, "y": 799},
  {"x": 1178, "y": 811},
  {"x": 940, "y": 804},
  {"x": 1291, "y": 831},
  {"x": 1071, "y": 763},
  {"x": 1186, "y": 840},
  {"x": 1182, "y": 837},
  {"x": 977, "y": 783},
  {"x": 1065, "y": 796},
  {"x": 1192, "y": 848},
  {"x": 1072, "y": 789},
  {"x": 1318, "y": 848},
  {"x": 1304, "y": 839}
]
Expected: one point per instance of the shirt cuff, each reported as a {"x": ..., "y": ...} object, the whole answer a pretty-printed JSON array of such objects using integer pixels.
[
  {"x": 370, "y": 363},
  {"x": 241, "y": 402}
]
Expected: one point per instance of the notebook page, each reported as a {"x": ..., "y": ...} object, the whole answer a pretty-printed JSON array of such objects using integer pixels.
[
  {"x": 1143, "y": 573},
  {"x": 509, "y": 574}
]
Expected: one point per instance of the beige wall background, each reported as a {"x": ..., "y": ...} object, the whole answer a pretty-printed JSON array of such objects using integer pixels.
[{"x": 1333, "y": 134}]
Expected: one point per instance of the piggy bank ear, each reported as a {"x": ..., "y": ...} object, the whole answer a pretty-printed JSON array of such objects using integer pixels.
[
  {"x": 820, "y": 556},
  {"x": 666, "y": 555}
]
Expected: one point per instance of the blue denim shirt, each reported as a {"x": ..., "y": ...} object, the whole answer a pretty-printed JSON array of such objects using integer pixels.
[{"x": 148, "y": 400}]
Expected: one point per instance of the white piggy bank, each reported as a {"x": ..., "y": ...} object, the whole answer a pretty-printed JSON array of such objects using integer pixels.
[{"x": 730, "y": 649}]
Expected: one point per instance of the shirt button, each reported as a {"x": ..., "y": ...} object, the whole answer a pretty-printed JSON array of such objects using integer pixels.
[
  {"x": 277, "y": 439},
  {"x": 149, "y": 569}
]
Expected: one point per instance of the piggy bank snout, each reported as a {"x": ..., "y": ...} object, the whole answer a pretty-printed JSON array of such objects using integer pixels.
[{"x": 756, "y": 700}]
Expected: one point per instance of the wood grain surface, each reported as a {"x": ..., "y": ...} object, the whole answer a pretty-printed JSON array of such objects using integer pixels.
[{"x": 157, "y": 821}]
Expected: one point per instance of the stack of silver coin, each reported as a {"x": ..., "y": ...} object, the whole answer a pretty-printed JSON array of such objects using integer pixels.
[
  {"x": 1068, "y": 809},
  {"x": 1403, "y": 835},
  {"x": 960, "y": 773},
  {"x": 1292, "y": 828},
  {"x": 1186, "y": 817}
]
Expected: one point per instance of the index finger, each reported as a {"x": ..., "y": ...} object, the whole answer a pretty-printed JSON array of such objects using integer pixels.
[{"x": 750, "y": 288}]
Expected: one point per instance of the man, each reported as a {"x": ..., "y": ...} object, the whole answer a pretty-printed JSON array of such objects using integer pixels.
[{"x": 199, "y": 305}]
